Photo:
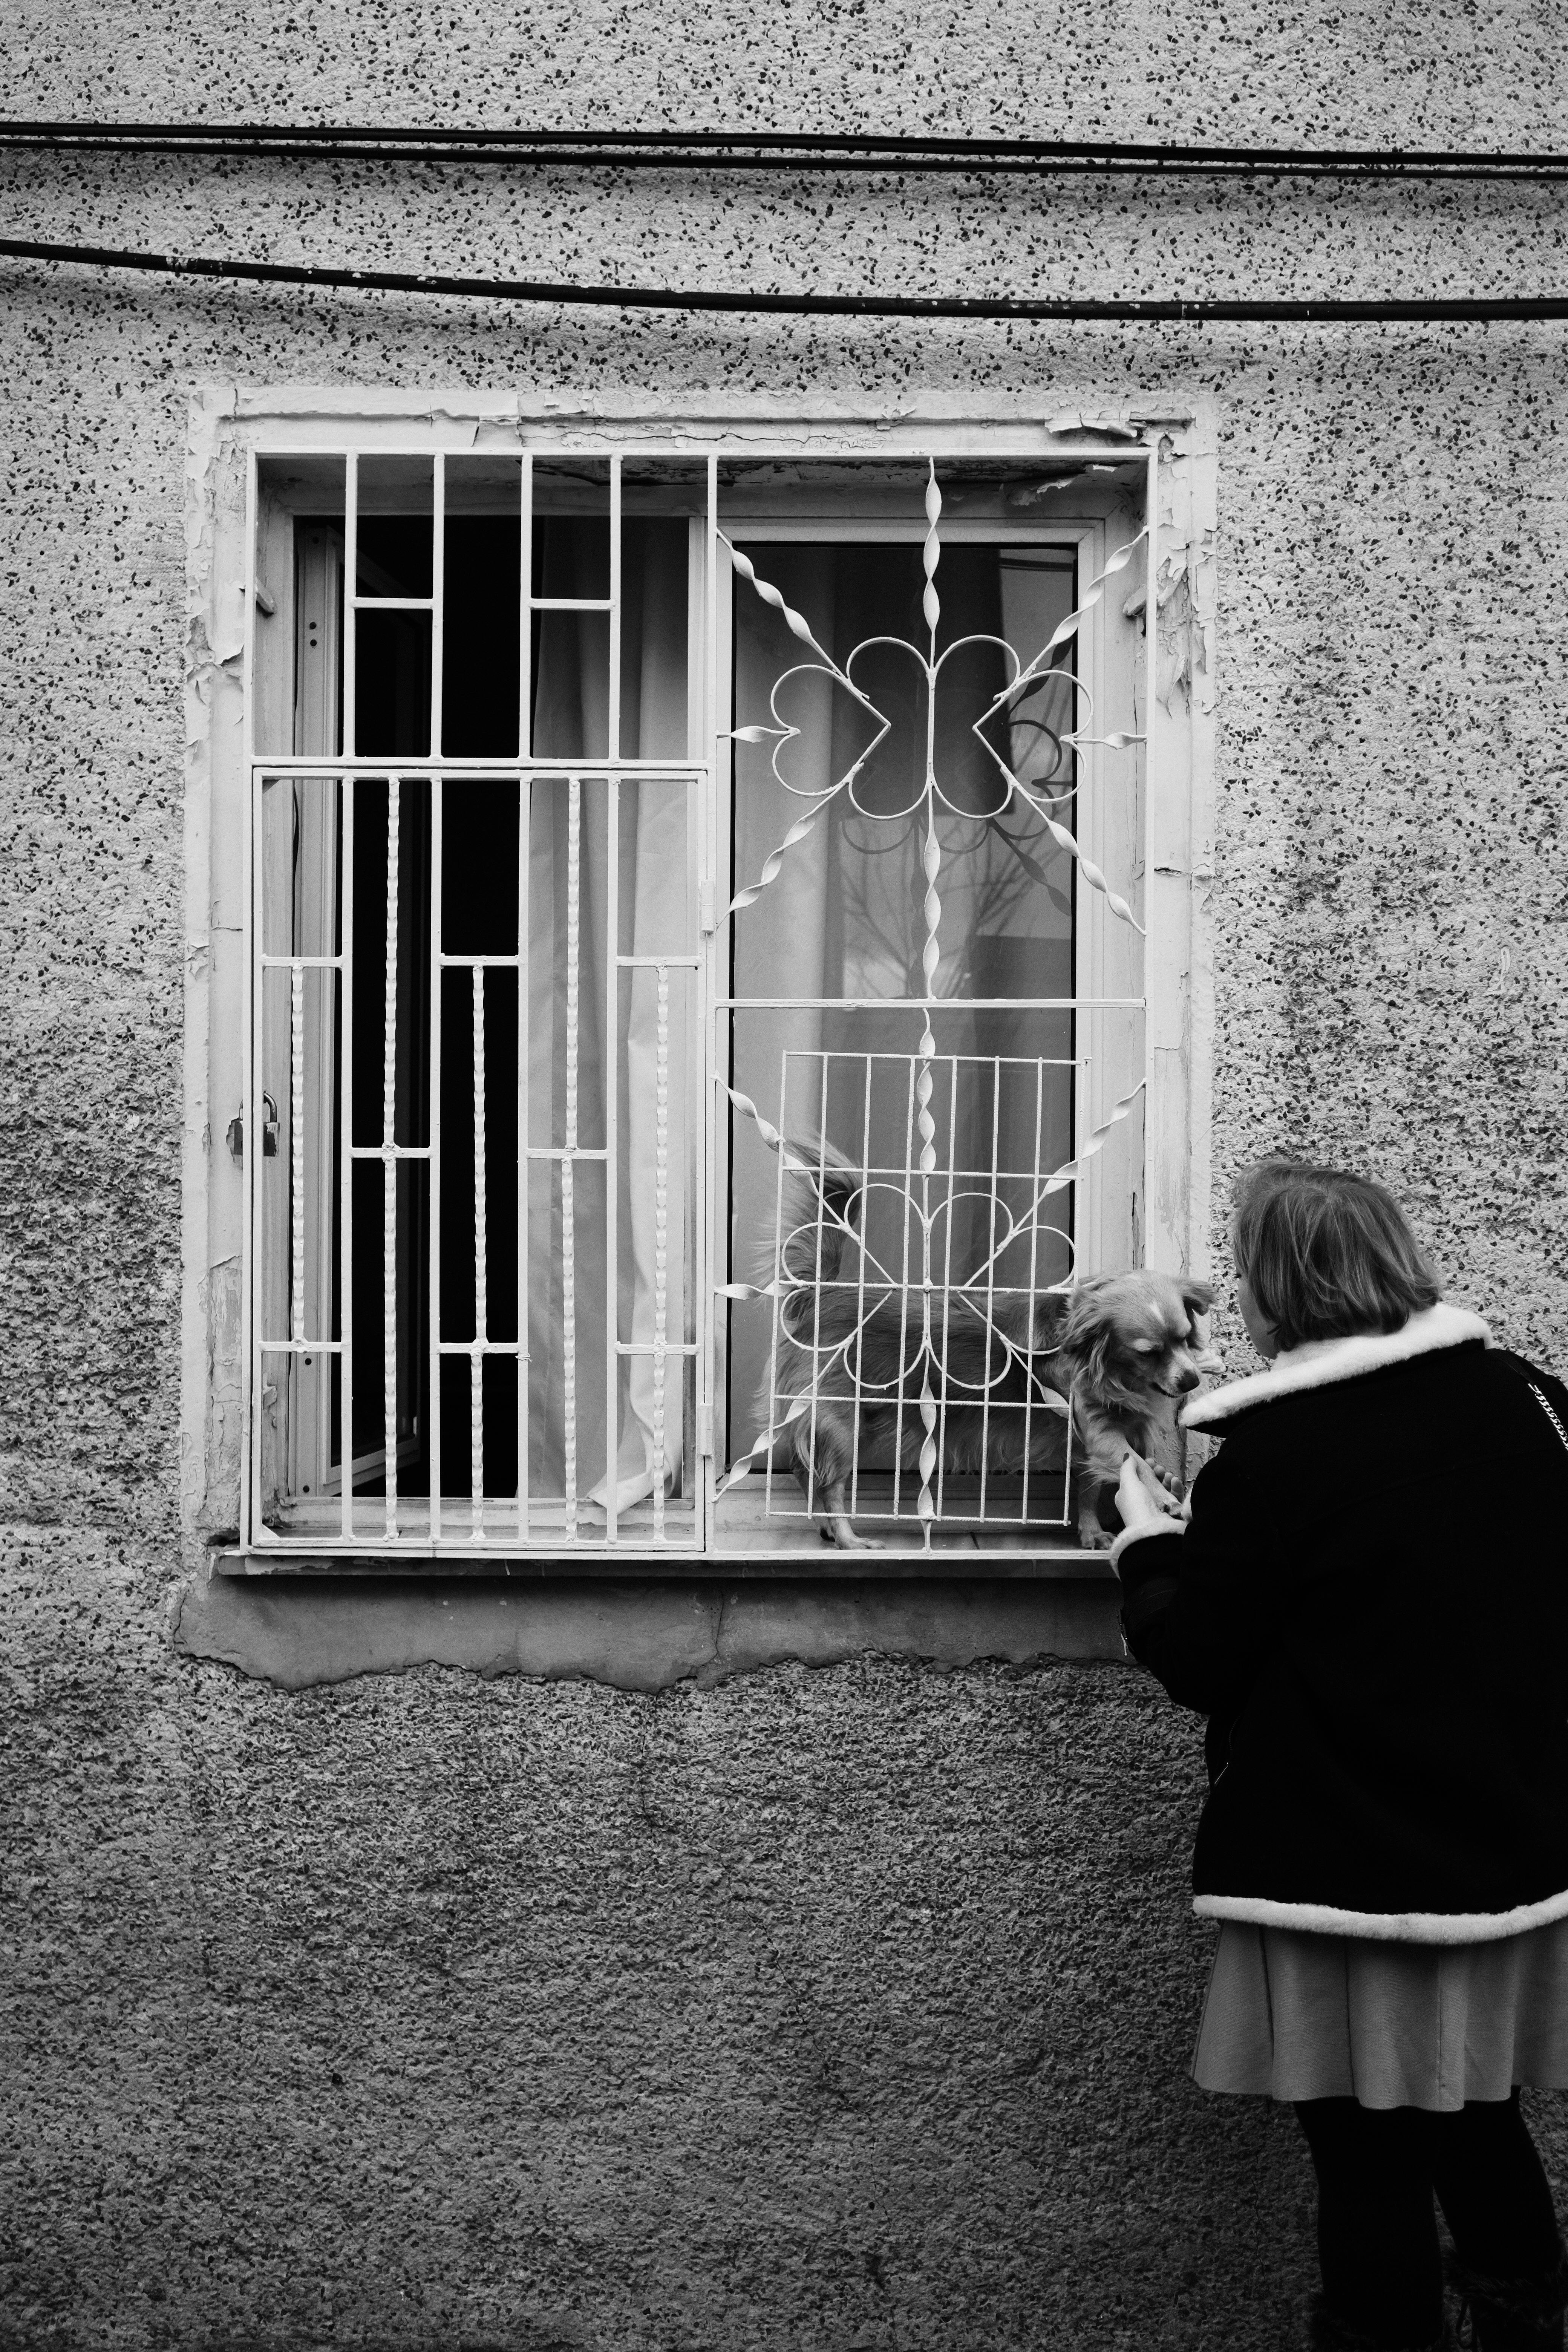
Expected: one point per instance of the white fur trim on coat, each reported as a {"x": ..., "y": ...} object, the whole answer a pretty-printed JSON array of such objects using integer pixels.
[
  {"x": 1385, "y": 1926},
  {"x": 1163, "y": 1526},
  {"x": 1317, "y": 1363}
]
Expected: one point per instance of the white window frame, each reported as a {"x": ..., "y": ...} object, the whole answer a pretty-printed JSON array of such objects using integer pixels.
[{"x": 1164, "y": 851}]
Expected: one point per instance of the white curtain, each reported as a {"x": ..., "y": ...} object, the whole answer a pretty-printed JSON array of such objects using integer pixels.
[{"x": 618, "y": 1033}]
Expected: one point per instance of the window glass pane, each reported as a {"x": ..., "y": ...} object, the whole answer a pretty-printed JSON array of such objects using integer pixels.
[
  {"x": 481, "y": 644},
  {"x": 571, "y": 655},
  {"x": 396, "y": 508},
  {"x": 479, "y": 865},
  {"x": 392, "y": 684}
]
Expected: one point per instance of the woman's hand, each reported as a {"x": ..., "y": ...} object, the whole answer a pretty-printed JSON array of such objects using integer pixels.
[{"x": 1141, "y": 1495}]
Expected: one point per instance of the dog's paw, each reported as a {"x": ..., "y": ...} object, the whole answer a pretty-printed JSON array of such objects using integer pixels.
[
  {"x": 843, "y": 1537},
  {"x": 1091, "y": 1537}
]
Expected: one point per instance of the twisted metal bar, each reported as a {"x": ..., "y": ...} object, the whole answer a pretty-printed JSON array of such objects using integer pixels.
[
  {"x": 930, "y": 959},
  {"x": 660, "y": 1240},
  {"x": 568, "y": 1205},
  {"x": 297, "y": 1151}
]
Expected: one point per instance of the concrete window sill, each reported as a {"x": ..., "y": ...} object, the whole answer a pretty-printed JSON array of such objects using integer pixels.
[{"x": 958, "y": 1564}]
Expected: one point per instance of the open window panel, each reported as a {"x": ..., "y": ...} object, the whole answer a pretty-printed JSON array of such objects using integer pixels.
[{"x": 695, "y": 993}]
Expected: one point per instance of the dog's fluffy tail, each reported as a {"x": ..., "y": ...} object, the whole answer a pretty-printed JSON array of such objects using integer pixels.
[{"x": 822, "y": 1191}]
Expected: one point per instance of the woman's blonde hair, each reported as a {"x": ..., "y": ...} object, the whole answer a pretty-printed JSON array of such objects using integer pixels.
[{"x": 1326, "y": 1254}]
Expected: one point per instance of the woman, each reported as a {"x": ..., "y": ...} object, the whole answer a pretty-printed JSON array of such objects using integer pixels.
[{"x": 1368, "y": 1598}]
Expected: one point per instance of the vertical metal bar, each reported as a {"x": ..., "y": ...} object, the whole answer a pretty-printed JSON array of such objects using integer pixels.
[
  {"x": 254, "y": 1366},
  {"x": 437, "y": 726},
  {"x": 947, "y": 1289},
  {"x": 1033, "y": 1263},
  {"x": 433, "y": 1191},
  {"x": 774, "y": 1400},
  {"x": 348, "y": 716},
  {"x": 389, "y": 1164},
  {"x": 612, "y": 1024},
  {"x": 296, "y": 1149},
  {"x": 612, "y": 1104},
  {"x": 613, "y": 743},
  {"x": 525, "y": 611},
  {"x": 568, "y": 1201},
  {"x": 991, "y": 1334},
  {"x": 915, "y": 1067},
  {"x": 481, "y": 1311},
  {"x": 661, "y": 1239},
  {"x": 705, "y": 1174},
  {"x": 437, "y": 594},
  {"x": 860, "y": 1282},
  {"x": 346, "y": 1166},
  {"x": 250, "y": 1044},
  {"x": 1143, "y": 832},
  {"x": 816, "y": 1285},
  {"x": 524, "y": 820}
]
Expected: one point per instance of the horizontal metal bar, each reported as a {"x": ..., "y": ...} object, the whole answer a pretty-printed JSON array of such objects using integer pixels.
[
  {"x": 571, "y": 1151},
  {"x": 394, "y": 604},
  {"x": 656, "y": 1347},
  {"x": 479, "y": 963},
  {"x": 453, "y": 771},
  {"x": 390, "y": 1151},
  {"x": 979, "y": 1288},
  {"x": 660, "y": 962},
  {"x": 1009, "y": 439},
  {"x": 570, "y": 603},
  {"x": 1196, "y": 310},
  {"x": 483, "y": 1348},
  {"x": 937, "y": 1005}
]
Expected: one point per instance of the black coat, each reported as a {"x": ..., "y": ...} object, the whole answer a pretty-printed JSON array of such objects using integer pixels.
[{"x": 1369, "y": 1603}]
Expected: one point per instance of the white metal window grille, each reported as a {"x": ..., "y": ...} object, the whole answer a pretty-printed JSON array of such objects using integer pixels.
[{"x": 594, "y": 1203}]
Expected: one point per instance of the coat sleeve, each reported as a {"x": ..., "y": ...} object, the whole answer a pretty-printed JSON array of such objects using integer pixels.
[{"x": 1194, "y": 1601}]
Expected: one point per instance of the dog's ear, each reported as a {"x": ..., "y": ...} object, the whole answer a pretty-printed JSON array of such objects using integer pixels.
[
  {"x": 1086, "y": 1332},
  {"x": 1197, "y": 1297},
  {"x": 1081, "y": 1318}
]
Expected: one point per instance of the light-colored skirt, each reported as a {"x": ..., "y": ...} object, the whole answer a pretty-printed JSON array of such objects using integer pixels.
[{"x": 1294, "y": 2016}]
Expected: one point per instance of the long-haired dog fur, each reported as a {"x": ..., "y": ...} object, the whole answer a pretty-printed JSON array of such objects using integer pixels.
[{"x": 1117, "y": 1349}]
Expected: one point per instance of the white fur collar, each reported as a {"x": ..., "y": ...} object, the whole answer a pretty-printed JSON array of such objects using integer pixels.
[{"x": 1318, "y": 1363}]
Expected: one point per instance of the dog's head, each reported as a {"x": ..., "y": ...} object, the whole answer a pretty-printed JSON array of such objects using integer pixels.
[{"x": 1134, "y": 1334}]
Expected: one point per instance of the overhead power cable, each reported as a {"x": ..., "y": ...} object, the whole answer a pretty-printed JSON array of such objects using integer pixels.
[
  {"x": 1153, "y": 309},
  {"x": 799, "y": 152}
]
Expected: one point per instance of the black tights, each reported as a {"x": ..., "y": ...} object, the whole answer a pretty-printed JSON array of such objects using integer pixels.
[{"x": 1377, "y": 2235}]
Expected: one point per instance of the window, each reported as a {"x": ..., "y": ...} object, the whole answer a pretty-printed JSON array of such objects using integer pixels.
[{"x": 693, "y": 891}]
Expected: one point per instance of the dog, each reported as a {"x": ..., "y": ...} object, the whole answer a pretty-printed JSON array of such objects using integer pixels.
[{"x": 1114, "y": 1353}]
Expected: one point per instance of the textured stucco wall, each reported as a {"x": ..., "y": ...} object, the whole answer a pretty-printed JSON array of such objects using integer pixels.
[{"x": 841, "y": 2006}]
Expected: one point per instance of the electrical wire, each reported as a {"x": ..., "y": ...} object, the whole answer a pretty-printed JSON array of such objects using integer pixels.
[
  {"x": 779, "y": 151},
  {"x": 1196, "y": 310}
]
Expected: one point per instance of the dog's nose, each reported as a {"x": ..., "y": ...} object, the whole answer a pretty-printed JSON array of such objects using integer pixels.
[{"x": 1188, "y": 1380}]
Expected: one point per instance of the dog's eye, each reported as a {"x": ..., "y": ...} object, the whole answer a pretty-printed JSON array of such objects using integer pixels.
[{"x": 1145, "y": 1346}]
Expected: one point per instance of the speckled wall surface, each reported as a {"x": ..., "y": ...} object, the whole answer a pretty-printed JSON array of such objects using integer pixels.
[{"x": 816, "y": 2008}]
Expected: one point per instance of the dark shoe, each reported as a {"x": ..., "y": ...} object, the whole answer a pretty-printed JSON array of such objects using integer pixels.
[
  {"x": 1511, "y": 2314},
  {"x": 1331, "y": 2334}
]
